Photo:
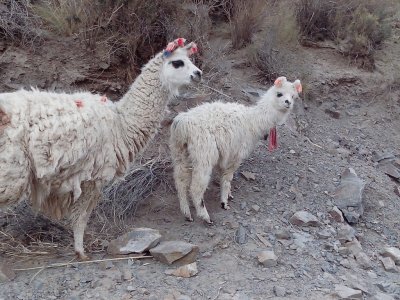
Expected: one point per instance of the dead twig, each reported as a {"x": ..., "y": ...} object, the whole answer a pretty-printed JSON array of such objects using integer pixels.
[
  {"x": 58, "y": 265},
  {"x": 316, "y": 145},
  {"x": 217, "y": 91}
]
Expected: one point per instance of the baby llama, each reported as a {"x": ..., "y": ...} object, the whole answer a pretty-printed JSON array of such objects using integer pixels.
[
  {"x": 223, "y": 134},
  {"x": 58, "y": 149}
]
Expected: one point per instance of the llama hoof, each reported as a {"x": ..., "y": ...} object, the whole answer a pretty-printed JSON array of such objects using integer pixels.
[
  {"x": 82, "y": 256},
  {"x": 225, "y": 206},
  {"x": 230, "y": 196},
  {"x": 189, "y": 219},
  {"x": 209, "y": 222}
]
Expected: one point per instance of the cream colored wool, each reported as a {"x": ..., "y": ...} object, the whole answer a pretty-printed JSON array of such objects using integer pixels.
[
  {"x": 59, "y": 149},
  {"x": 223, "y": 135}
]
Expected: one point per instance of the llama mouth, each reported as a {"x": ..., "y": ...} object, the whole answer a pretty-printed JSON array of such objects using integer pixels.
[{"x": 195, "y": 78}]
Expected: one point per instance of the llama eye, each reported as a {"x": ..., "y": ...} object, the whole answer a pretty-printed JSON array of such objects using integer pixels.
[
  {"x": 177, "y": 63},
  {"x": 279, "y": 94}
]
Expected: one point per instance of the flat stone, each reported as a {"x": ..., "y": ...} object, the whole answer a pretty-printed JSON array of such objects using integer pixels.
[
  {"x": 279, "y": 291},
  {"x": 377, "y": 156},
  {"x": 345, "y": 292},
  {"x": 241, "y": 235},
  {"x": 345, "y": 233},
  {"x": 363, "y": 260},
  {"x": 324, "y": 234},
  {"x": 382, "y": 296},
  {"x": 354, "y": 247},
  {"x": 389, "y": 264},
  {"x": 6, "y": 273},
  {"x": 185, "y": 271},
  {"x": 393, "y": 253},
  {"x": 255, "y": 207},
  {"x": 282, "y": 234},
  {"x": 267, "y": 258},
  {"x": 336, "y": 215},
  {"x": 389, "y": 287},
  {"x": 390, "y": 169},
  {"x": 304, "y": 218},
  {"x": 175, "y": 252},
  {"x": 348, "y": 196},
  {"x": 248, "y": 175},
  {"x": 138, "y": 240}
]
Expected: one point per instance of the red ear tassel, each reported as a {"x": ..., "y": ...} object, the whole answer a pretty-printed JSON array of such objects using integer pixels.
[{"x": 272, "y": 139}]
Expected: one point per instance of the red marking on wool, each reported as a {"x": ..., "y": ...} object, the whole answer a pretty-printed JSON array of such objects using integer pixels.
[
  {"x": 272, "y": 139},
  {"x": 79, "y": 103}
]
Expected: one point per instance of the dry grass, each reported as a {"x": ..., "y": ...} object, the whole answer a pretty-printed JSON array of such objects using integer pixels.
[
  {"x": 358, "y": 26},
  {"x": 17, "y": 23},
  {"x": 246, "y": 19},
  {"x": 123, "y": 197}
]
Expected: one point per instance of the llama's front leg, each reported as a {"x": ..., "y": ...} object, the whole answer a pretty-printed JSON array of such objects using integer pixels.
[
  {"x": 80, "y": 214},
  {"x": 78, "y": 228},
  {"x": 182, "y": 181},
  {"x": 200, "y": 180}
]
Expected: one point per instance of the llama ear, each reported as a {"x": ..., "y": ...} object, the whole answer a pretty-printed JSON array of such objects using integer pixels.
[
  {"x": 179, "y": 42},
  {"x": 280, "y": 81},
  {"x": 191, "y": 48},
  {"x": 298, "y": 86}
]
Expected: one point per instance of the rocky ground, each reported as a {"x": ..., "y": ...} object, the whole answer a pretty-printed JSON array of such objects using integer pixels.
[{"x": 316, "y": 219}]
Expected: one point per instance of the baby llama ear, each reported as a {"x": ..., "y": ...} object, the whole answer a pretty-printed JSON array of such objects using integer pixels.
[
  {"x": 298, "y": 86},
  {"x": 280, "y": 81}
]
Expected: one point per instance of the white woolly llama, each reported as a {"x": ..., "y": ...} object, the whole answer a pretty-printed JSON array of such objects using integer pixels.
[
  {"x": 223, "y": 134},
  {"x": 59, "y": 149}
]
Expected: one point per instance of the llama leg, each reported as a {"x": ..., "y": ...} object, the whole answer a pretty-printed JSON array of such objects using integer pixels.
[
  {"x": 200, "y": 180},
  {"x": 226, "y": 179},
  {"x": 182, "y": 181},
  {"x": 80, "y": 213},
  {"x": 226, "y": 189}
]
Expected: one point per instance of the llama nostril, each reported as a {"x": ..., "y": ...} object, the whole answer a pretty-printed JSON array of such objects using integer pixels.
[
  {"x": 287, "y": 101},
  {"x": 198, "y": 73}
]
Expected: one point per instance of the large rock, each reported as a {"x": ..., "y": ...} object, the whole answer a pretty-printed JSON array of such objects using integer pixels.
[
  {"x": 6, "y": 273},
  {"x": 138, "y": 240},
  {"x": 344, "y": 292},
  {"x": 304, "y": 218},
  {"x": 389, "y": 264},
  {"x": 348, "y": 196},
  {"x": 175, "y": 251},
  {"x": 185, "y": 271},
  {"x": 393, "y": 253}
]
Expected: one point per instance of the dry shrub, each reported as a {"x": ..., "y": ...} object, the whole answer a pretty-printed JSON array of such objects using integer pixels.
[
  {"x": 358, "y": 26},
  {"x": 122, "y": 197},
  {"x": 126, "y": 32},
  {"x": 17, "y": 23},
  {"x": 246, "y": 18}
]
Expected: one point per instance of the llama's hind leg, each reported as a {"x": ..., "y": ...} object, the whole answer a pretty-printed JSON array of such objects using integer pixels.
[
  {"x": 226, "y": 179},
  {"x": 200, "y": 180},
  {"x": 182, "y": 175},
  {"x": 80, "y": 213}
]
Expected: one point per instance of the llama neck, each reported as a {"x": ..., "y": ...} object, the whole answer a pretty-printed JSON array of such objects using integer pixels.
[
  {"x": 264, "y": 116},
  {"x": 143, "y": 107}
]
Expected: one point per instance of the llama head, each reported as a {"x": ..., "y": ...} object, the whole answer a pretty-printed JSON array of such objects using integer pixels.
[
  {"x": 284, "y": 93},
  {"x": 177, "y": 69}
]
